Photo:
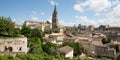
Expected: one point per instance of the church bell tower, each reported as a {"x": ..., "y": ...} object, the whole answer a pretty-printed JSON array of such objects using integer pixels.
[{"x": 55, "y": 20}]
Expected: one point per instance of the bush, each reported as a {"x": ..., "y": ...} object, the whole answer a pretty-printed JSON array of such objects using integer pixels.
[{"x": 106, "y": 40}]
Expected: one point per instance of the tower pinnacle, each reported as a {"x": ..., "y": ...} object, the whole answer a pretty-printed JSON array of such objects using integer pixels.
[
  {"x": 55, "y": 10},
  {"x": 55, "y": 20}
]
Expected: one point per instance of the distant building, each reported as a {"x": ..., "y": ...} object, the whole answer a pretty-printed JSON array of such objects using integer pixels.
[
  {"x": 18, "y": 26},
  {"x": 98, "y": 49},
  {"x": 13, "y": 45},
  {"x": 67, "y": 51},
  {"x": 91, "y": 28},
  {"x": 42, "y": 25},
  {"x": 103, "y": 27}
]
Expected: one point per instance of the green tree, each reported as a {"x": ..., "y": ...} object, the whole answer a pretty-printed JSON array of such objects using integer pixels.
[
  {"x": 26, "y": 31},
  {"x": 106, "y": 40},
  {"x": 75, "y": 33},
  {"x": 15, "y": 33},
  {"x": 7, "y": 28},
  {"x": 36, "y": 32},
  {"x": 51, "y": 48},
  {"x": 35, "y": 45}
]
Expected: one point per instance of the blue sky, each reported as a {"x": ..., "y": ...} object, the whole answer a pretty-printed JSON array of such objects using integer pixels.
[{"x": 70, "y": 12}]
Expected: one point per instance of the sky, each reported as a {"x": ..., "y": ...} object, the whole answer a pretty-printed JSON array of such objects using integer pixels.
[{"x": 70, "y": 12}]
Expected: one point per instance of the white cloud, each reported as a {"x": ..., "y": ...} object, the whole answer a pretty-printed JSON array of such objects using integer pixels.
[
  {"x": 97, "y": 14},
  {"x": 99, "y": 5},
  {"x": 108, "y": 21},
  {"x": 109, "y": 8},
  {"x": 115, "y": 13},
  {"x": 94, "y": 5},
  {"x": 52, "y": 2},
  {"x": 115, "y": 2},
  {"x": 62, "y": 22},
  {"x": 78, "y": 7},
  {"x": 84, "y": 20},
  {"x": 35, "y": 18}
]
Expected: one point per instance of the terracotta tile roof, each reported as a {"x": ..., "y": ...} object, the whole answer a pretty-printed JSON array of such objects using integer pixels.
[{"x": 66, "y": 49}]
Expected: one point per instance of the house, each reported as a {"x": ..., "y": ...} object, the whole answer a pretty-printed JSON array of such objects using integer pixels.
[
  {"x": 56, "y": 38},
  {"x": 67, "y": 51}
]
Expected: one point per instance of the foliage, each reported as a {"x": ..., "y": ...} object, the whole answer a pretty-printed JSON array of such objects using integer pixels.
[
  {"x": 36, "y": 33},
  {"x": 75, "y": 33},
  {"x": 77, "y": 47},
  {"x": 50, "y": 49},
  {"x": 35, "y": 45},
  {"x": 16, "y": 32},
  {"x": 7, "y": 57},
  {"x": 26, "y": 31},
  {"x": 106, "y": 40},
  {"x": 48, "y": 31},
  {"x": 7, "y": 28}
]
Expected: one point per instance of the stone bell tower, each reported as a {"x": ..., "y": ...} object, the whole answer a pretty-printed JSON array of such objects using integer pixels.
[{"x": 55, "y": 24}]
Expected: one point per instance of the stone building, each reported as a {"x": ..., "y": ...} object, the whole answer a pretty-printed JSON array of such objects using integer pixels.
[
  {"x": 56, "y": 38},
  {"x": 98, "y": 49},
  {"x": 43, "y": 25},
  {"x": 67, "y": 51},
  {"x": 18, "y": 26},
  {"x": 13, "y": 45},
  {"x": 55, "y": 24}
]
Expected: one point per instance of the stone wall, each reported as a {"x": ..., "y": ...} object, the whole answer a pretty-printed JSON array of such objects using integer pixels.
[{"x": 15, "y": 45}]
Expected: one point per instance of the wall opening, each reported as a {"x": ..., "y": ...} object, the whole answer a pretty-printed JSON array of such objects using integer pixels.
[{"x": 20, "y": 48}]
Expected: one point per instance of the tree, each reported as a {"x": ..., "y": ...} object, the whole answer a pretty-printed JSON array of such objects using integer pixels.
[
  {"x": 15, "y": 33},
  {"x": 50, "y": 49},
  {"x": 75, "y": 33},
  {"x": 36, "y": 32},
  {"x": 26, "y": 31},
  {"x": 7, "y": 28},
  {"x": 106, "y": 40},
  {"x": 35, "y": 45}
]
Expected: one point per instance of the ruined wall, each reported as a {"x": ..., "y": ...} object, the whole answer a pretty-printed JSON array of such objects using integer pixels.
[{"x": 14, "y": 45}]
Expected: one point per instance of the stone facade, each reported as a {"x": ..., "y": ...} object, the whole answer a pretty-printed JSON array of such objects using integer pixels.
[
  {"x": 97, "y": 49},
  {"x": 67, "y": 51},
  {"x": 56, "y": 38},
  {"x": 43, "y": 25},
  {"x": 13, "y": 45}
]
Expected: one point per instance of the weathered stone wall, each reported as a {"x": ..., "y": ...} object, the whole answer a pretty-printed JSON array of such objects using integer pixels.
[{"x": 14, "y": 45}]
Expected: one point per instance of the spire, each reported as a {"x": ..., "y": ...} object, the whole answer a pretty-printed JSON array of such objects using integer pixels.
[{"x": 55, "y": 10}]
